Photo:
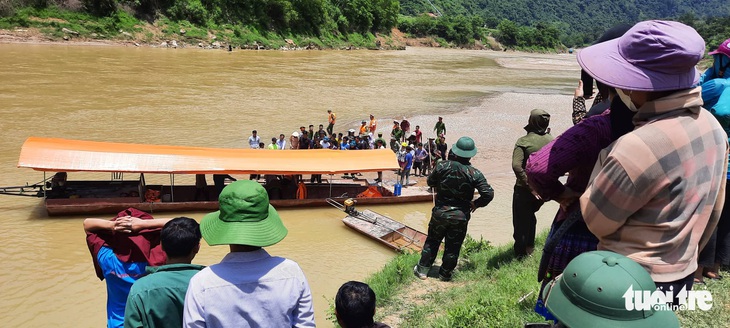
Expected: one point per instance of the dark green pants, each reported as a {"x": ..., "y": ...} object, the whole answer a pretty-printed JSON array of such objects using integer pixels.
[
  {"x": 524, "y": 222},
  {"x": 453, "y": 232}
]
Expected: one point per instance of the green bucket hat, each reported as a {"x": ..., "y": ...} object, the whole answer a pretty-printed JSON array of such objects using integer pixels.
[
  {"x": 464, "y": 147},
  {"x": 590, "y": 292},
  {"x": 245, "y": 218}
]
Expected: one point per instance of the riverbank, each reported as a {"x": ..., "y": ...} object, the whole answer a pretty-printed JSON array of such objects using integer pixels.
[
  {"x": 55, "y": 26},
  {"x": 491, "y": 289}
]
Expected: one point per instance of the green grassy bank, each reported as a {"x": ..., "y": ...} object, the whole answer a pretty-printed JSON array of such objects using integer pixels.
[{"x": 491, "y": 289}]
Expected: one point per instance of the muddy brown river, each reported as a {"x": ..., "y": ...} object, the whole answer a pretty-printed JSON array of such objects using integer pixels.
[{"x": 214, "y": 99}]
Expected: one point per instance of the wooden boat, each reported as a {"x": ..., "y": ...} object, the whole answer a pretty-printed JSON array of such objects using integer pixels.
[
  {"x": 385, "y": 230},
  {"x": 70, "y": 197}
]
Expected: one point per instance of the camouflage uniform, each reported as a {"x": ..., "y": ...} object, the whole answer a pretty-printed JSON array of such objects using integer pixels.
[{"x": 455, "y": 183}]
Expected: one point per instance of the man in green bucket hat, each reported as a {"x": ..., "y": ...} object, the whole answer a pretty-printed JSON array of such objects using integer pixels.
[
  {"x": 594, "y": 291},
  {"x": 454, "y": 181},
  {"x": 248, "y": 287}
]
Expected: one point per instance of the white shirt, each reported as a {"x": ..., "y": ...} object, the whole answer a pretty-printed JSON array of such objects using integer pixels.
[
  {"x": 249, "y": 289},
  {"x": 254, "y": 142},
  {"x": 281, "y": 143}
]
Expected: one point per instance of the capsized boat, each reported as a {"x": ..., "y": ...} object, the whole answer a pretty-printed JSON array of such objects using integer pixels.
[
  {"x": 383, "y": 229},
  {"x": 279, "y": 172}
]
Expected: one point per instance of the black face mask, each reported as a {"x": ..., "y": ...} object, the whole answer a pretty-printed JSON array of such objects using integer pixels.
[{"x": 621, "y": 118}]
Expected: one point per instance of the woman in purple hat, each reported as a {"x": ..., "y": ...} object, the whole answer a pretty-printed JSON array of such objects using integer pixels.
[{"x": 653, "y": 195}]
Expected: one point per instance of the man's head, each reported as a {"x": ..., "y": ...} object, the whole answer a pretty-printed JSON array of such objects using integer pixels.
[
  {"x": 245, "y": 217},
  {"x": 590, "y": 293},
  {"x": 464, "y": 148},
  {"x": 418, "y": 127},
  {"x": 321, "y": 126},
  {"x": 281, "y": 136},
  {"x": 302, "y": 128},
  {"x": 355, "y": 305},
  {"x": 363, "y": 122},
  {"x": 329, "y": 111},
  {"x": 253, "y": 133},
  {"x": 723, "y": 49},
  {"x": 273, "y": 140},
  {"x": 311, "y": 126},
  {"x": 380, "y": 134},
  {"x": 180, "y": 239},
  {"x": 372, "y": 116},
  {"x": 441, "y": 119}
]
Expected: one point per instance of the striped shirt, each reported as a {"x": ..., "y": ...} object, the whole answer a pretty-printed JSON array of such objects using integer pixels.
[{"x": 654, "y": 190}]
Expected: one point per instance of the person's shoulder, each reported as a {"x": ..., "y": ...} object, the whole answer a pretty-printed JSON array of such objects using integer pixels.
[
  {"x": 106, "y": 254},
  {"x": 286, "y": 265}
]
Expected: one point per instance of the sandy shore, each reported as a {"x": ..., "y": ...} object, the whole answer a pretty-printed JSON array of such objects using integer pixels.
[{"x": 495, "y": 125}]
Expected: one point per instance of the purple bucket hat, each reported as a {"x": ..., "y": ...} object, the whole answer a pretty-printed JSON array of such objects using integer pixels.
[
  {"x": 724, "y": 49},
  {"x": 652, "y": 56}
]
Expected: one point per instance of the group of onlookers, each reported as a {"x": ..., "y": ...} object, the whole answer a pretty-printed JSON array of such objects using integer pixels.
[
  {"x": 647, "y": 172},
  {"x": 151, "y": 281}
]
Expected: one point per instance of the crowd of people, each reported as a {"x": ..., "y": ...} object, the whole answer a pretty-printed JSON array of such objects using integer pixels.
[
  {"x": 411, "y": 150},
  {"x": 643, "y": 206},
  {"x": 644, "y": 202},
  {"x": 151, "y": 281}
]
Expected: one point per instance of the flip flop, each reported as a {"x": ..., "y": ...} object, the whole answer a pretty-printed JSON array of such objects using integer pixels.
[
  {"x": 698, "y": 282},
  {"x": 712, "y": 275}
]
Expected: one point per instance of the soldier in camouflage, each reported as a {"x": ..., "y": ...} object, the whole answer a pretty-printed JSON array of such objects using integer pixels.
[{"x": 454, "y": 180}]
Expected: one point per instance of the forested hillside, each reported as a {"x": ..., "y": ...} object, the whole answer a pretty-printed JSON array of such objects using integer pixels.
[
  {"x": 535, "y": 25},
  {"x": 581, "y": 21}
]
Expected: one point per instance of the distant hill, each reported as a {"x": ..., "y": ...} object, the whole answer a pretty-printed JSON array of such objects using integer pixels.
[{"x": 581, "y": 20}]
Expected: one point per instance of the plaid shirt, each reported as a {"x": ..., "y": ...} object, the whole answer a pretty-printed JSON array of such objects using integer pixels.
[{"x": 654, "y": 190}]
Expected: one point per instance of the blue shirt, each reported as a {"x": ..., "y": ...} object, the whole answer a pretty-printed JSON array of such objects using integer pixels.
[
  {"x": 119, "y": 278},
  {"x": 409, "y": 160},
  {"x": 249, "y": 289}
]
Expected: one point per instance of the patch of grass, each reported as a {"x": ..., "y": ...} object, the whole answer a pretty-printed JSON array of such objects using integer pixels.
[
  {"x": 492, "y": 288},
  {"x": 719, "y": 314},
  {"x": 54, "y": 20},
  {"x": 394, "y": 275}
]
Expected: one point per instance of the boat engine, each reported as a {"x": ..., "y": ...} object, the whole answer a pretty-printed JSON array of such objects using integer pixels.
[{"x": 350, "y": 207}]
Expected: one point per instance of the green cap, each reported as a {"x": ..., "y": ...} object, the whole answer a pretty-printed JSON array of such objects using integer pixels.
[
  {"x": 245, "y": 218},
  {"x": 464, "y": 147},
  {"x": 590, "y": 292}
]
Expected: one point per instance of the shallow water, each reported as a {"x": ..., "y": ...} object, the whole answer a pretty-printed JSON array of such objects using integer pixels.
[{"x": 215, "y": 98}]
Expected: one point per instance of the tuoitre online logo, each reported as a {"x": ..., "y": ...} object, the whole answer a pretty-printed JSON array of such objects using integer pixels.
[{"x": 643, "y": 300}]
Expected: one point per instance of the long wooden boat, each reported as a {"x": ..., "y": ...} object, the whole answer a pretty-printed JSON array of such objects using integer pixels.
[
  {"x": 280, "y": 171},
  {"x": 385, "y": 230}
]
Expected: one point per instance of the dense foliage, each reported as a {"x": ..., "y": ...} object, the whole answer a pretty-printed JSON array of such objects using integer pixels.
[
  {"x": 308, "y": 17},
  {"x": 579, "y": 21},
  {"x": 520, "y": 24}
]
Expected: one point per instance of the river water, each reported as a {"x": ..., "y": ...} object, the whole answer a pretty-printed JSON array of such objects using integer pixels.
[{"x": 215, "y": 98}]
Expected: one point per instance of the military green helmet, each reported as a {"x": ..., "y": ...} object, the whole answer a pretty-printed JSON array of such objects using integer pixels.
[
  {"x": 590, "y": 293},
  {"x": 464, "y": 147}
]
